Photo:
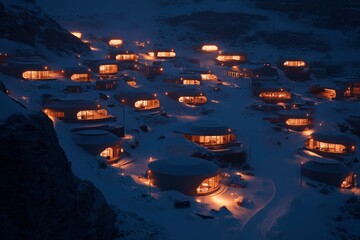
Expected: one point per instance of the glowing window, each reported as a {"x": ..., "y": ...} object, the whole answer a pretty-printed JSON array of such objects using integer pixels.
[
  {"x": 276, "y": 95},
  {"x": 193, "y": 100},
  {"x": 108, "y": 153},
  {"x": 115, "y": 42},
  {"x": 80, "y": 77},
  {"x": 40, "y": 75},
  {"x": 225, "y": 58},
  {"x": 329, "y": 93},
  {"x": 108, "y": 69},
  {"x": 208, "y": 76},
  {"x": 190, "y": 82},
  {"x": 294, "y": 64},
  {"x": 208, "y": 185},
  {"x": 127, "y": 57},
  {"x": 147, "y": 104},
  {"x": 297, "y": 122},
  {"x": 91, "y": 114},
  {"x": 209, "y": 48},
  {"x": 77, "y": 34},
  {"x": 166, "y": 54}
]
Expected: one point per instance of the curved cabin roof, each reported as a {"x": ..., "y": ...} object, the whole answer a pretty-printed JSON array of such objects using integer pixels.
[
  {"x": 329, "y": 137},
  {"x": 187, "y": 166},
  {"x": 63, "y": 105},
  {"x": 95, "y": 141},
  {"x": 184, "y": 91},
  {"x": 204, "y": 128},
  {"x": 69, "y": 71},
  {"x": 133, "y": 96},
  {"x": 293, "y": 114},
  {"x": 327, "y": 171},
  {"x": 265, "y": 71}
]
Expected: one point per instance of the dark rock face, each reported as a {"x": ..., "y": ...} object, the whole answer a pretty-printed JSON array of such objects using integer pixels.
[
  {"x": 26, "y": 23},
  {"x": 40, "y": 196}
]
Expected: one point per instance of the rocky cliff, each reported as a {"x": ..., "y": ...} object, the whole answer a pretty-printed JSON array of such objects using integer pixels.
[
  {"x": 22, "y": 21},
  {"x": 40, "y": 196}
]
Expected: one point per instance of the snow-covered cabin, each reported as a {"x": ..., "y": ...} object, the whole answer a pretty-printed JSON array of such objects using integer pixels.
[
  {"x": 296, "y": 120},
  {"x": 162, "y": 53},
  {"x": 191, "y": 176},
  {"x": 265, "y": 73},
  {"x": 342, "y": 89},
  {"x": 103, "y": 68},
  {"x": 79, "y": 111},
  {"x": 77, "y": 74},
  {"x": 99, "y": 143},
  {"x": 240, "y": 71},
  {"x": 155, "y": 69},
  {"x": 32, "y": 71},
  {"x": 184, "y": 79},
  {"x": 330, "y": 144},
  {"x": 295, "y": 68},
  {"x": 328, "y": 171},
  {"x": 139, "y": 100},
  {"x": 206, "y": 74},
  {"x": 123, "y": 55},
  {"x": 231, "y": 58},
  {"x": 210, "y": 134},
  {"x": 190, "y": 96}
]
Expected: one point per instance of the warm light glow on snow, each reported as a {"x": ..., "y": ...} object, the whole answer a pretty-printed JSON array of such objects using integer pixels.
[{"x": 77, "y": 34}]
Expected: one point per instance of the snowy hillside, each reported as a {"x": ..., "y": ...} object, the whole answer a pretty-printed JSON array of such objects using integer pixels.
[{"x": 262, "y": 194}]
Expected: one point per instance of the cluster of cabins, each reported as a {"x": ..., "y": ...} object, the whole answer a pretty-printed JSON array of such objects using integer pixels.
[{"x": 100, "y": 136}]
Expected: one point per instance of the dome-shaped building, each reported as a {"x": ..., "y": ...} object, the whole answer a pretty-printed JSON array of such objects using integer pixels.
[
  {"x": 191, "y": 176},
  {"x": 328, "y": 171}
]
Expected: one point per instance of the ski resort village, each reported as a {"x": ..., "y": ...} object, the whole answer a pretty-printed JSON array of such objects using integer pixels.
[{"x": 219, "y": 119}]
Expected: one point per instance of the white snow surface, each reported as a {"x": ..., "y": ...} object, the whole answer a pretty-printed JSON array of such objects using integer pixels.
[{"x": 276, "y": 204}]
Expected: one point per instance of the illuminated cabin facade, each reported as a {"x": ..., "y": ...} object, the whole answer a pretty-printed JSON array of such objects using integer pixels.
[
  {"x": 77, "y": 74},
  {"x": 231, "y": 58},
  {"x": 78, "y": 111},
  {"x": 209, "y": 134},
  {"x": 162, "y": 53},
  {"x": 99, "y": 143},
  {"x": 103, "y": 68},
  {"x": 239, "y": 71},
  {"x": 123, "y": 56},
  {"x": 141, "y": 101},
  {"x": 331, "y": 172},
  {"x": 32, "y": 72},
  {"x": 331, "y": 145},
  {"x": 296, "y": 120},
  {"x": 343, "y": 90},
  {"x": 188, "y": 175},
  {"x": 295, "y": 69},
  {"x": 272, "y": 94},
  {"x": 207, "y": 48},
  {"x": 323, "y": 92},
  {"x": 352, "y": 89},
  {"x": 189, "y": 96}
]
